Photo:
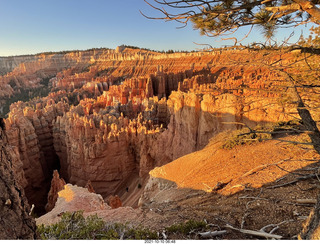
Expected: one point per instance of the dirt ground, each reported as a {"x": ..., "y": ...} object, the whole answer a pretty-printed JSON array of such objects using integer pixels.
[{"x": 268, "y": 184}]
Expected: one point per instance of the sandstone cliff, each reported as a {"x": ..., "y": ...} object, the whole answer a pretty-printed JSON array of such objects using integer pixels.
[
  {"x": 16, "y": 223},
  {"x": 30, "y": 134}
]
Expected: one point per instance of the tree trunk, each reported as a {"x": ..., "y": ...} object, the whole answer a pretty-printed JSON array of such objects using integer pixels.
[
  {"x": 311, "y": 229},
  {"x": 310, "y": 125},
  {"x": 15, "y": 222}
]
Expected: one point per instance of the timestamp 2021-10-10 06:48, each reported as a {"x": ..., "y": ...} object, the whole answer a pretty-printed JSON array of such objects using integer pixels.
[{"x": 160, "y": 241}]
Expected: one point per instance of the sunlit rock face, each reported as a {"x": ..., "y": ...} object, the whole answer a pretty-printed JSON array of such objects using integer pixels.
[
  {"x": 73, "y": 198},
  {"x": 114, "y": 114}
]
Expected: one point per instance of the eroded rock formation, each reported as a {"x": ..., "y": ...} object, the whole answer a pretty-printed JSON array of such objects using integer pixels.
[
  {"x": 90, "y": 187},
  {"x": 16, "y": 223},
  {"x": 114, "y": 202},
  {"x": 57, "y": 184},
  {"x": 29, "y": 132},
  {"x": 113, "y": 114},
  {"x": 73, "y": 198}
]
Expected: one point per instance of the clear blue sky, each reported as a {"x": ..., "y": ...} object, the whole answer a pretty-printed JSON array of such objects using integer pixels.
[{"x": 33, "y": 26}]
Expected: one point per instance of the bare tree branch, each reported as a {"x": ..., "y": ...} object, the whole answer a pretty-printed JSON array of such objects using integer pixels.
[{"x": 214, "y": 18}]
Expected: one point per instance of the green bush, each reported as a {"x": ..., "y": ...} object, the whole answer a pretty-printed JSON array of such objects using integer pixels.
[
  {"x": 24, "y": 96},
  {"x": 187, "y": 227},
  {"x": 74, "y": 226},
  {"x": 246, "y": 136}
]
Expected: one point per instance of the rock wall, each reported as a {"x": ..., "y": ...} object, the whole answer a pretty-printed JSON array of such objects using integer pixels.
[
  {"x": 29, "y": 133},
  {"x": 7, "y": 64},
  {"x": 16, "y": 223},
  {"x": 106, "y": 147}
]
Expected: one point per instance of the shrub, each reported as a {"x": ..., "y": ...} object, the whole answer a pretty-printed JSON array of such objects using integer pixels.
[
  {"x": 266, "y": 132},
  {"x": 74, "y": 226},
  {"x": 187, "y": 227}
]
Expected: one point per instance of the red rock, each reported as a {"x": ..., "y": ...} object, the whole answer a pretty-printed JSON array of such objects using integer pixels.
[
  {"x": 73, "y": 198},
  {"x": 114, "y": 202},
  {"x": 16, "y": 223},
  {"x": 57, "y": 184},
  {"x": 125, "y": 120},
  {"x": 89, "y": 187}
]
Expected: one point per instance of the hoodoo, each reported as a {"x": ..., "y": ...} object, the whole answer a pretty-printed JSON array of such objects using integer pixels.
[{"x": 106, "y": 124}]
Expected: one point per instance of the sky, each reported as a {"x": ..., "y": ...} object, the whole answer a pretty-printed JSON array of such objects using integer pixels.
[{"x": 34, "y": 26}]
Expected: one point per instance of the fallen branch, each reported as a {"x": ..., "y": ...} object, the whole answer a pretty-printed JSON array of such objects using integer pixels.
[
  {"x": 280, "y": 179},
  {"x": 261, "y": 167},
  {"x": 306, "y": 201},
  {"x": 255, "y": 198},
  {"x": 303, "y": 218},
  {"x": 220, "y": 185},
  {"x": 294, "y": 181},
  {"x": 32, "y": 207},
  {"x": 211, "y": 234},
  {"x": 165, "y": 237},
  {"x": 255, "y": 233},
  {"x": 299, "y": 204},
  {"x": 243, "y": 221},
  {"x": 289, "y": 171},
  {"x": 263, "y": 229},
  {"x": 273, "y": 226}
]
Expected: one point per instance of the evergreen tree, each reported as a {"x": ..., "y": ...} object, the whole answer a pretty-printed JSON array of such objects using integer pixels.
[{"x": 214, "y": 18}]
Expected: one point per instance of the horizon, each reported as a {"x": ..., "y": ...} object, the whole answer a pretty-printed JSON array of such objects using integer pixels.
[
  {"x": 35, "y": 27},
  {"x": 107, "y": 48},
  {"x": 99, "y": 48}
]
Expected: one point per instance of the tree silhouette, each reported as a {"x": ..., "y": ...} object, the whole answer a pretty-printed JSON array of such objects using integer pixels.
[{"x": 215, "y": 18}]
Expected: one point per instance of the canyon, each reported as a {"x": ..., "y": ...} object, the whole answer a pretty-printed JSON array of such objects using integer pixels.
[{"x": 106, "y": 118}]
